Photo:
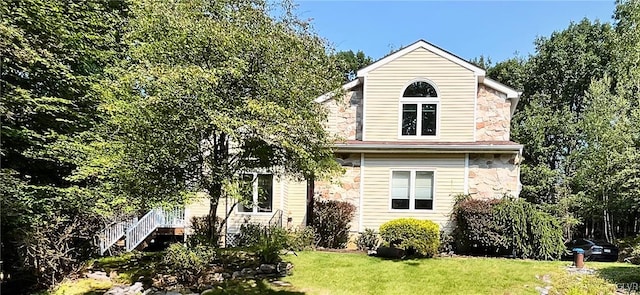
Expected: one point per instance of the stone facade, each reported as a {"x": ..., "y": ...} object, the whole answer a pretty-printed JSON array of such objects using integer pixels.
[
  {"x": 493, "y": 115},
  {"x": 493, "y": 175},
  {"x": 345, "y": 115},
  {"x": 345, "y": 187}
]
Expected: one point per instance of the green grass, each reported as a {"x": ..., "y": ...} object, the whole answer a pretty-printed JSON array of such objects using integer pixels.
[
  {"x": 348, "y": 273},
  {"x": 339, "y": 273}
]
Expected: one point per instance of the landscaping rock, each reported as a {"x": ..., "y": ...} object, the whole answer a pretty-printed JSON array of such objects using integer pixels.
[
  {"x": 267, "y": 268},
  {"x": 281, "y": 284},
  {"x": 284, "y": 268},
  {"x": 390, "y": 252},
  {"x": 98, "y": 275},
  {"x": 236, "y": 274}
]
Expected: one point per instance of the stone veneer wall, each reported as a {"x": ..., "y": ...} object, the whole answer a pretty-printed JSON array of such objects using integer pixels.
[
  {"x": 493, "y": 175},
  {"x": 345, "y": 187},
  {"x": 345, "y": 115},
  {"x": 493, "y": 115}
]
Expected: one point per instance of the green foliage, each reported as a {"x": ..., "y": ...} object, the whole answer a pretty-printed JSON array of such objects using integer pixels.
[
  {"x": 368, "y": 240},
  {"x": 200, "y": 230},
  {"x": 331, "y": 220},
  {"x": 416, "y": 237},
  {"x": 299, "y": 239},
  {"x": 507, "y": 226},
  {"x": 188, "y": 261},
  {"x": 629, "y": 249},
  {"x": 271, "y": 242},
  {"x": 208, "y": 74},
  {"x": 349, "y": 63},
  {"x": 476, "y": 230},
  {"x": 51, "y": 52},
  {"x": 249, "y": 235}
]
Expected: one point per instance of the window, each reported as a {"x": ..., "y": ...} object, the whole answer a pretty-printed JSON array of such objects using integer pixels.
[
  {"x": 257, "y": 192},
  {"x": 419, "y": 105},
  {"x": 412, "y": 190}
]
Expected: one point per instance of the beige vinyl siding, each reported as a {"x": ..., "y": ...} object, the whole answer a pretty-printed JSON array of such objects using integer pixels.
[
  {"x": 449, "y": 181},
  {"x": 384, "y": 86},
  {"x": 297, "y": 203},
  {"x": 200, "y": 207}
]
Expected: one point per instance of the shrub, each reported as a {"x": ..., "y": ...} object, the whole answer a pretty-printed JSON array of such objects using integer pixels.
[
  {"x": 331, "y": 222},
  {"x": 629, "y": 249},
  {"x": 187, "y": 261},
  {"x": 476, "y": 230},
  {"x": 416, "y": 237},
  {"x": 200, "y": 227},
  {"x": 270, "y": 243},
  {"x": 299, "y": 239},
  {"x": 249, "y": 235},
  {"x": 507, "y": 226},
  {"x": 368, "y": 240}
]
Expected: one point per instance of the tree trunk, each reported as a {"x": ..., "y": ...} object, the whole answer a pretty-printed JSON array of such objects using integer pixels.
[
  {"x": 214, "y": 199},
  {"x": 219, "y": 171}
]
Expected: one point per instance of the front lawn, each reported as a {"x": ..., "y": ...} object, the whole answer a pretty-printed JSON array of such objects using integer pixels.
[
  {"x": 318, "y": 272},
  {"x": 338, "y": 273}
]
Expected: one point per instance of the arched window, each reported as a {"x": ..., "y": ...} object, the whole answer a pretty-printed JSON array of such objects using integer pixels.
[{"x": 419, "y": 105}]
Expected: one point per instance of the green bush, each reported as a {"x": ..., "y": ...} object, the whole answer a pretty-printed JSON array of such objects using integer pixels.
[
  {"x": 299, "y": 239},
  {"x": 331, "y": 222},
  {"x": 200, "y": 227},
  {"x": 506, "y": 226},
  {"x": 416, "y": 237},
  {"x": 249, "y": 235},
  {"x": 270, "y": 243},
  {"x": 629, "y": 249},
  {"x": 368, "y": 240},
  {"x": 188, "y": 261},
  {"x": 476, "y": 230}
]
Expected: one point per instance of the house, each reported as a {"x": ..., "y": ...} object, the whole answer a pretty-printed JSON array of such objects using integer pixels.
[{"x": 419, "y": 127}]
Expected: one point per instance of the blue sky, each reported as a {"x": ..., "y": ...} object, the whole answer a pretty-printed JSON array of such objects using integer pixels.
[{"x": 497, "y": 29}]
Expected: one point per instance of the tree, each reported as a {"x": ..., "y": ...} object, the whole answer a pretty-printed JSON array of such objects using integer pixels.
[
  {"x": 552, "y": 104},
  {"x": 511, "y": 72},
  {"x": 51, "y": 52},
  {"x": 212, "y": 89},
  {"x": 349, "y": 63},
  {"x": 609, "y": 163}
]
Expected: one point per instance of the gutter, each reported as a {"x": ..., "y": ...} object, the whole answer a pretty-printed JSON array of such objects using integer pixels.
[{"x": 426, "y": 148}]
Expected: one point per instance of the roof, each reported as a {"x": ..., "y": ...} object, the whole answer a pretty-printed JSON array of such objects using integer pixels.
[
  {"x": 428, "y": 46},
  {"x": 510, "y": 93},
  {"x": 425, "y": 147}
]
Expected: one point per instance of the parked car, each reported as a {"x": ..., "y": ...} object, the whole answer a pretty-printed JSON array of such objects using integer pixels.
[{"x": 594, "y": 250}]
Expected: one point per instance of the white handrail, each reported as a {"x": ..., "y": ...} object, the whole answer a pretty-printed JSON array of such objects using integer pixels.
[
  {"x": 154, "y": 219},
  {"x": 114, "y": 232},
  {"x": 141, "y": 229}
]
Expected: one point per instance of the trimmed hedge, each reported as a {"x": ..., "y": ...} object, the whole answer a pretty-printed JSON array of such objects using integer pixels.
[{"x": 416, "y": 237}]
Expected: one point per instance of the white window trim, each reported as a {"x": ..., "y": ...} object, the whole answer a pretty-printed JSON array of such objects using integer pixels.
[
  {"x": 412, "y": 188},
  {"x": 419, "y": 101},
  {"x": 254, "y": 209}
]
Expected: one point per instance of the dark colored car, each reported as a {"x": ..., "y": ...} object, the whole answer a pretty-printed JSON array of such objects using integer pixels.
[{"x": 594, "y": 250}]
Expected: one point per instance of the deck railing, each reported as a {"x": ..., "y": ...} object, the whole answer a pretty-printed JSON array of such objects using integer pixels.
[
  {"x": 136, "y": 230},
  {"x": 276, "y": 219},
  {"x": 113, "y": 232}
]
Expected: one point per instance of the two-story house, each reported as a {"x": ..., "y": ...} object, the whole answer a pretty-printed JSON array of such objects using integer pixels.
[{"x": 419, "y": 127}]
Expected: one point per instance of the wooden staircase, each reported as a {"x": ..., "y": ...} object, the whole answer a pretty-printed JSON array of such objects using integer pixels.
[{"x": 134, "y": 231}]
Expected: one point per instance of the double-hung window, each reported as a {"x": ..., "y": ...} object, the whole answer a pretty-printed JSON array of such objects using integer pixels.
[
  {"x": 257, "y": 193},
  {"x": 412, "y": 189},
  {"x": 419, "y": 110}
]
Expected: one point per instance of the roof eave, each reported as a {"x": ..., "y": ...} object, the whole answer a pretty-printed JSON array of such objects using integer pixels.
[{"x": 400, "y": 148}]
